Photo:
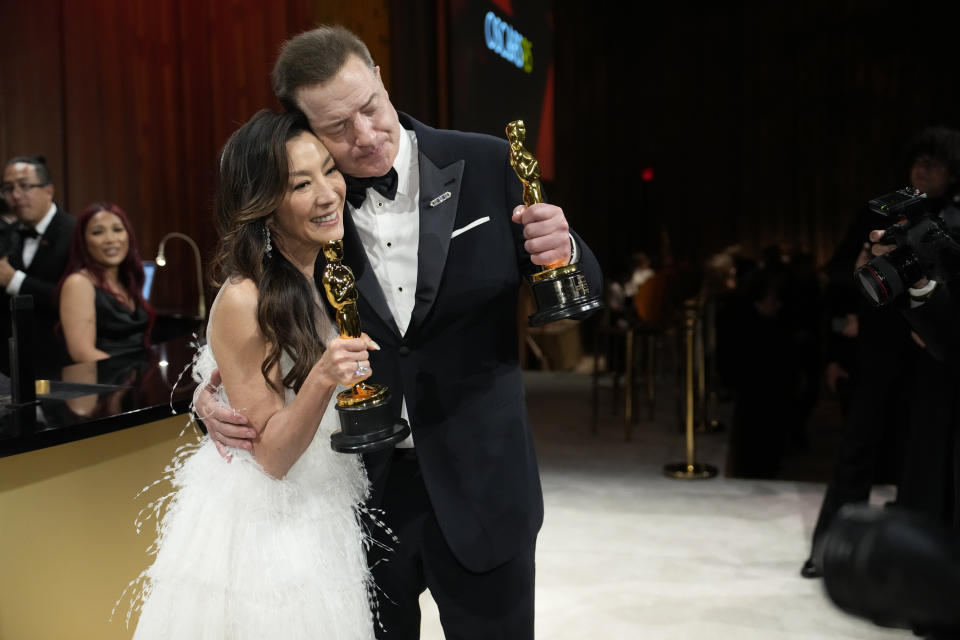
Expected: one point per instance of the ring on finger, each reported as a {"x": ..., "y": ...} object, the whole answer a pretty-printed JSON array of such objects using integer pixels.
[{"x": 361, "y": 370}]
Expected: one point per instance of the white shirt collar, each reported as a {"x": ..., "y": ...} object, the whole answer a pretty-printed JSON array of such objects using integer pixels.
[
  {"x": 405, "y": 161},
  {"x": 43, "y": 224}
]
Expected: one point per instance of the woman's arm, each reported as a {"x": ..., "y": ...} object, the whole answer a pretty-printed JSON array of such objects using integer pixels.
[
  {"x": 78, "y": 316},
  {"x": 284, "y": 432},
  {"x": 84, "y": 373}
]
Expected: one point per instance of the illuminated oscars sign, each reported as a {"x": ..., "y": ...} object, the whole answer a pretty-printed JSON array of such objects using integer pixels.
[{"x": 507, "y": 42}]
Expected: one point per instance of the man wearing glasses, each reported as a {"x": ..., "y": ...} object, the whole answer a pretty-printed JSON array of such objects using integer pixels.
[{"x": 37, "y": 255}]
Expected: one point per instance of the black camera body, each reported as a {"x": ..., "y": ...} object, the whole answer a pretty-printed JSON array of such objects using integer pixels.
[{"x": 926, "y": 246}]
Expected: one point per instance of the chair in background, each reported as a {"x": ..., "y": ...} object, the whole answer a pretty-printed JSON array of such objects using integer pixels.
[
  {"x": 555, "y": 346},
  {"x": 652, "y": 303},
  {"x": 630, "y": 339},
  {"x": 612, "y": 340}
]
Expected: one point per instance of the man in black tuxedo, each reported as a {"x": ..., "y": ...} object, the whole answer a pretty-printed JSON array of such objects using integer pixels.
[
  {"x": 38, "y": 255},
  {"x": 438, "y": 246}
]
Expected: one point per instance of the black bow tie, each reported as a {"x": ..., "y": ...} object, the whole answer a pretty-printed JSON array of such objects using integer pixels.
[
  {"x": 27, "y": 232},
  {"x": 385, "y": 185}
]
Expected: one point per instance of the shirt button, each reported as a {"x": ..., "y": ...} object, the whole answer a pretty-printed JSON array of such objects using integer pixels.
[
  {"x": 400, "y": 288},
  {"x": 379, "y": 204},
  {"x": 389, "y": 244}
]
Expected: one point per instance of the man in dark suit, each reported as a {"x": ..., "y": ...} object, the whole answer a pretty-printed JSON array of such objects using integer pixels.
[
  {"x": 438, "y": 252},
  {"x": 36, "y": 259}
]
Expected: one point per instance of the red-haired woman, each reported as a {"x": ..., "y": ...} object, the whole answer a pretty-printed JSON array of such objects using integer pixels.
[{"x": 102, "y": 310}]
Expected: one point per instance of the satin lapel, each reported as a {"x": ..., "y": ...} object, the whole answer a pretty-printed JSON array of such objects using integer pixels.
[
  {"x": 439, "y": 195},
  {"x": 53, "y": 237},
  {"x": 367, "y": 283}
]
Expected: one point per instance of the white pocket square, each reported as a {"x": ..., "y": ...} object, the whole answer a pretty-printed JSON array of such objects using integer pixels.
[{"x": 475, "y": 223}]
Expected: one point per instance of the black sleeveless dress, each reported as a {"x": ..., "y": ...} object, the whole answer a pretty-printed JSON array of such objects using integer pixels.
[{"x": 119, "y": 330}]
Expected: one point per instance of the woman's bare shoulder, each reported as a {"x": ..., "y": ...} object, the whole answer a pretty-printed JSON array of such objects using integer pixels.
[
  {"x": 239, "y": 291},
  {"x": 233, "y": 319},
  {"x": 78, "y": 278},
  {"x": 236, "y": 302},
  {"x": 78, "y": 283}
]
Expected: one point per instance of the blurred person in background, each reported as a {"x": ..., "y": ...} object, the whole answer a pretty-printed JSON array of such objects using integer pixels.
[
  {"x": 102, "y": 309},
  {"x": 761, "y": 374},
  {"x": 35, "y": 258}
]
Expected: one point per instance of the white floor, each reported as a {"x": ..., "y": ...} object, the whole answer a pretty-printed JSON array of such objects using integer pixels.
[{"x": 626, "y": 552}]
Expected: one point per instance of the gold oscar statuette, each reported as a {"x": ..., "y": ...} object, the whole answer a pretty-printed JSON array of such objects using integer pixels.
[
  {"x": 366, "y": 420},
  {"x": 560, "y": 290}
]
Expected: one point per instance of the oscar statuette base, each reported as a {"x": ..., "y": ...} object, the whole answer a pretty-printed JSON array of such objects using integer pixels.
[
  {"x": 561, "y": 293},
  {"x": 364, "y": 429}
]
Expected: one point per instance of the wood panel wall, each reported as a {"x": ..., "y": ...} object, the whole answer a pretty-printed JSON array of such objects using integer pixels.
[{"x": 131, "y": 100}]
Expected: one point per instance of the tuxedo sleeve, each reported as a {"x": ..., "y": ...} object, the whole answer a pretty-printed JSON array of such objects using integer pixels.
[
  {"x": 937, "y": 322},
  {"x": 588, "y": 264},
  {"x": 42, "y": 291},
  {"x": 587, "y": 260}
]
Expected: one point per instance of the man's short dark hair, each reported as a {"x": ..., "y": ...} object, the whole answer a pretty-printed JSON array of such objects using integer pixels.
[
  {"x": 939, "y": 143},
  {"x": 313, "y": 57},
  {"x": 39, "y": 163}
]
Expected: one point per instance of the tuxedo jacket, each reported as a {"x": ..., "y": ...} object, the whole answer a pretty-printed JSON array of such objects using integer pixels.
[
  {"x": 457, "y": 365},
  {"x": 43, "y": 276},
  {"x": 937, "y": 321}
]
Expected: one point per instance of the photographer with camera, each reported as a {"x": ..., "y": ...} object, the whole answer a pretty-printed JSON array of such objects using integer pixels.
[
  {"x": 916, "y": 268},
  {"x": 897, "y": 406},
  {"x": 934, "y": 302},
  {"x": 900, "y": 567}
]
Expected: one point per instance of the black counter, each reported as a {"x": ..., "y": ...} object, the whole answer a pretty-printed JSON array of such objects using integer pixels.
[{"x": 96, "y": 398}]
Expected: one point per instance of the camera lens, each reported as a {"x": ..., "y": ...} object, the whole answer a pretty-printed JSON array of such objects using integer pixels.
[
  {"x": 893, "y": 567},
  {"x": 886, "y": 277}
]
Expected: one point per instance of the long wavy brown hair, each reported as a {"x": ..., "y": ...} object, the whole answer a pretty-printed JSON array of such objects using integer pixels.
[{"x": 254, "y": 174}]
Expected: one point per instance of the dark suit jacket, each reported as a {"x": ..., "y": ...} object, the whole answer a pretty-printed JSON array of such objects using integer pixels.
[
  {"x": 937, "y": 322},
  {"x": 457, "y": 365},
  {"x": 43, "y": 275}
]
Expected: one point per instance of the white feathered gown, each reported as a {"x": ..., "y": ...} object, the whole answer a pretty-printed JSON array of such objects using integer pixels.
[{"x": 243, "y": 555}]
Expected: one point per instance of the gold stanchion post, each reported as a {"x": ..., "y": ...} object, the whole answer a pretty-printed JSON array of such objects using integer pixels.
[
  {"x": 689, "y": 470},
  {"x": 628, "y": 412},
  {"x": 649, "y": 347},
  {"x": 703, "y": 424}
]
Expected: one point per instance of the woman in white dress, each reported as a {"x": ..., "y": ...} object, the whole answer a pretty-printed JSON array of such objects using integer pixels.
[{"x": 270, "y": 543}]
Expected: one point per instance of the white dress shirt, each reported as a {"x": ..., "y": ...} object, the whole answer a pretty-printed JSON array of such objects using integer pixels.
[
  {"x": 30, "y": 246},
  {"x": 390, "y": 233}
]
